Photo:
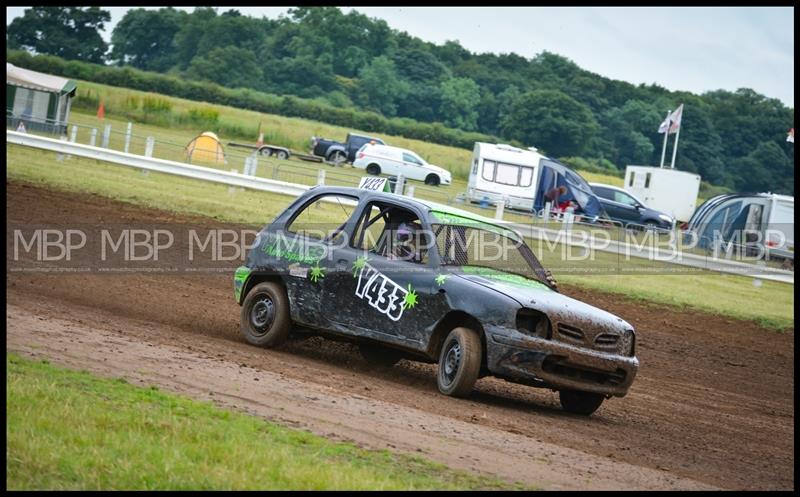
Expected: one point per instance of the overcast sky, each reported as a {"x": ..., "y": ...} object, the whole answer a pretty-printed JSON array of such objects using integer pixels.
[{"x": 680, "y": 48}]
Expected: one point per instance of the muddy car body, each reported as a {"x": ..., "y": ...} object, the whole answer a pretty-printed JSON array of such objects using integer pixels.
[{"x": 406, "y": 278}]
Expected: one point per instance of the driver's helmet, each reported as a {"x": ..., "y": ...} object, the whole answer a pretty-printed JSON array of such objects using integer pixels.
[{"x": 405, "y": 246}]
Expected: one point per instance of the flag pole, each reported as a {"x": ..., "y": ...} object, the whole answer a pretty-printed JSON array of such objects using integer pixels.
[
  {"x": 664, "y": 148},
  {"x": 675, "y": 148}
]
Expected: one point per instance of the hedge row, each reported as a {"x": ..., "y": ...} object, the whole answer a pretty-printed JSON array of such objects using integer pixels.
[{"x": 243, "y": 98}]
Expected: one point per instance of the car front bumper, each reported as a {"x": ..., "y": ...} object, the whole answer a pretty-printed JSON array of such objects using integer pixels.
[{"x": 549, "y": 363}]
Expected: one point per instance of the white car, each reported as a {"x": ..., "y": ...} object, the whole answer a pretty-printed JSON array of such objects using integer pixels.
[{"x": 384, "y": 159}]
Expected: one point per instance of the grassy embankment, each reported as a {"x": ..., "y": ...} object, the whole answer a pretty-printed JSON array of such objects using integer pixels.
[
  {"x": 69, "y": 430},
  {"x": 772, "y": 304},
  {"x": 295, "y": 133}
]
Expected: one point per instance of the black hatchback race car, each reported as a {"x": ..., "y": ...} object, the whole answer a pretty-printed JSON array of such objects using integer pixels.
[{"x": 407, "y": 278}]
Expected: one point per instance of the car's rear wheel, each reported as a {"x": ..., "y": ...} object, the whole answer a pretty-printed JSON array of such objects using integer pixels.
[
  {"x": 374, "y": 169},
  {"x": 337, "y": 158},
  {"x": 577, "y": 402},
  {"x": 459, "y": 362},
  {"x": 376, "y": 355},
  {"x": 432, "y": 180},
  {"x": 265, "y": 319}
]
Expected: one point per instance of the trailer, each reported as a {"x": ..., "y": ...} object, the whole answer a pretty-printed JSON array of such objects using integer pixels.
[
  {"x": 667, "y": 190},
  {"x": 503, "y": 173},
  {"x": 520, "y": 179},
  {"x": 276, "y": 151}
]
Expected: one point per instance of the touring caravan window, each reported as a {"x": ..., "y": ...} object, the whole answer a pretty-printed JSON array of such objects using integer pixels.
[
  {"x": 475, "y": 166},
  {"x": 488, "y": 170},
  {"x": 630, "y": 183},
  {"x": 525, "y": 176},
  {"x": 507, "y": 174},
  {"x": 647, "y": 180}
]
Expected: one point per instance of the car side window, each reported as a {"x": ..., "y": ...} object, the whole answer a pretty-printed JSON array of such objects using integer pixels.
[
  {"x": 602, "y": 192},
  {"x": 392, "y": 232},
  {"x": 624, "y": 198},
  {"x": 324, "y": 218},
  {"x": 410, "y": 158}
]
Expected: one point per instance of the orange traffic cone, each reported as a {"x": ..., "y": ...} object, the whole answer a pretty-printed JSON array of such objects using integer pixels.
[{"x": 101, "y": 111}]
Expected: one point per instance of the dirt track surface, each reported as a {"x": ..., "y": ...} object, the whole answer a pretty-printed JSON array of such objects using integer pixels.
[{"x": 712, "y": 405}]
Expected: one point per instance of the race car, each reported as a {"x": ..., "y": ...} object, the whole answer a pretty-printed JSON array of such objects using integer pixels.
[{"x": 405, "y": 278}]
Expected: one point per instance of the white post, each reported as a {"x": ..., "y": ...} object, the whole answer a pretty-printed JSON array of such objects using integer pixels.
[
  {"x": 410, "y": 191},
  {"x": 232, "y": 189},
  {"x": 128, "y": 137},
  {"x": 546, "y": 212},
  {"x": 148, "y": 149},
  {"x": 60, "y": 157},
  {"x": 498, "y": 212},
  {"x": 567, "y": 221},
  {"x": 74, "y": 135},
  {"x": 398, "y": 187},
  {"x": 675, "y": 148},
  {"x": 93, "y": 138},
  {"x": 321, "y": 177},
  {"x": 106, "y": 136},
  {"x": 664, "y": 148}
]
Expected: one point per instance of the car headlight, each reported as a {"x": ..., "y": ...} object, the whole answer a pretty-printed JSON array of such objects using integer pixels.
[{"x": 665, "y": 218}]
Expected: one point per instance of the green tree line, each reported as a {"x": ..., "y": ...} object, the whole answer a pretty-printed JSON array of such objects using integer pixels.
[{"x": 356, "y": 64}]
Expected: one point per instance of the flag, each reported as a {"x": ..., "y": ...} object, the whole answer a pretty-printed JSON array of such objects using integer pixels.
[
  {"x": 675, "y": 119},
  {"x": 101, "y": 110},
  {"x": 260, "y": 140},
  {"x": 664, "y": 126},
  {"x": 672, "y": 122},
  {"x": 790, "y": 138}
]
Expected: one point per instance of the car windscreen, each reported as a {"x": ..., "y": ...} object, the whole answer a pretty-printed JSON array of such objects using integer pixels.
[{"x": 474, "y": 250}]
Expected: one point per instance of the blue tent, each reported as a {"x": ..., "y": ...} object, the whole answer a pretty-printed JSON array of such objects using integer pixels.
[{"x": 554, "y": 174}]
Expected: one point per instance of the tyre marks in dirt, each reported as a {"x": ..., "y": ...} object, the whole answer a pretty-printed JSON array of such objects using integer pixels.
[{"x": 713, "y": 400}]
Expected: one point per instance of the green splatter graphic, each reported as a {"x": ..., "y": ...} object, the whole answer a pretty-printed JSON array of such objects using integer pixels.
[
  {"x": 411, "y": 298},
  {"x": 317, "y": 273},
  {"x": 239, "y": 279},
  {"x": 502, "y": 277},
  {"x": 358, "y": 264},
  {"x": 440, "y": 279},
  {"x": 476, "y": 222}
]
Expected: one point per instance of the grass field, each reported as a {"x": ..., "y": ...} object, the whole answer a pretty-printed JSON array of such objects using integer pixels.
[
  {"x": 291, "y": 132},
  {"x": 69, "y": 430},
  {"x": 772, "y": 303}
]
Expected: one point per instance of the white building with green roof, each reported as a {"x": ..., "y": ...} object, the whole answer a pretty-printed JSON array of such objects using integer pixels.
[{"x": 40, "y": 100}]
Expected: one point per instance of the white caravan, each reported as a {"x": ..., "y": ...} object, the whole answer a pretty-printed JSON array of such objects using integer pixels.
[
  {"x": 502, "y": 173},
  {"x": 667, "y": 190}
]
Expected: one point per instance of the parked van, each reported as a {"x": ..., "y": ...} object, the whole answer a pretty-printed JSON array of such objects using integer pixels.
[{"x": 384, "y": 159}]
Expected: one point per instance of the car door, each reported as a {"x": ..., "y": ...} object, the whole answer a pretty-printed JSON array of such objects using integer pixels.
[
  {"x": 412, "y": 167},
  {"x": 374, "y": 295},
  {"x": 302, "y": 249},
  {"x": 624, "y": 208}
]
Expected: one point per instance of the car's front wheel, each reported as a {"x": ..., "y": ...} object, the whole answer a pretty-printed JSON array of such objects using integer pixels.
[
  {"x": 459, "y": 362},
  {"x": 432, "y": 180},
  {"x": 374, "y": 169},
  {"x": 265, "y": 319},
  {"x": 577, "y": 402},
  {"x": 376, "y": 355}
]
